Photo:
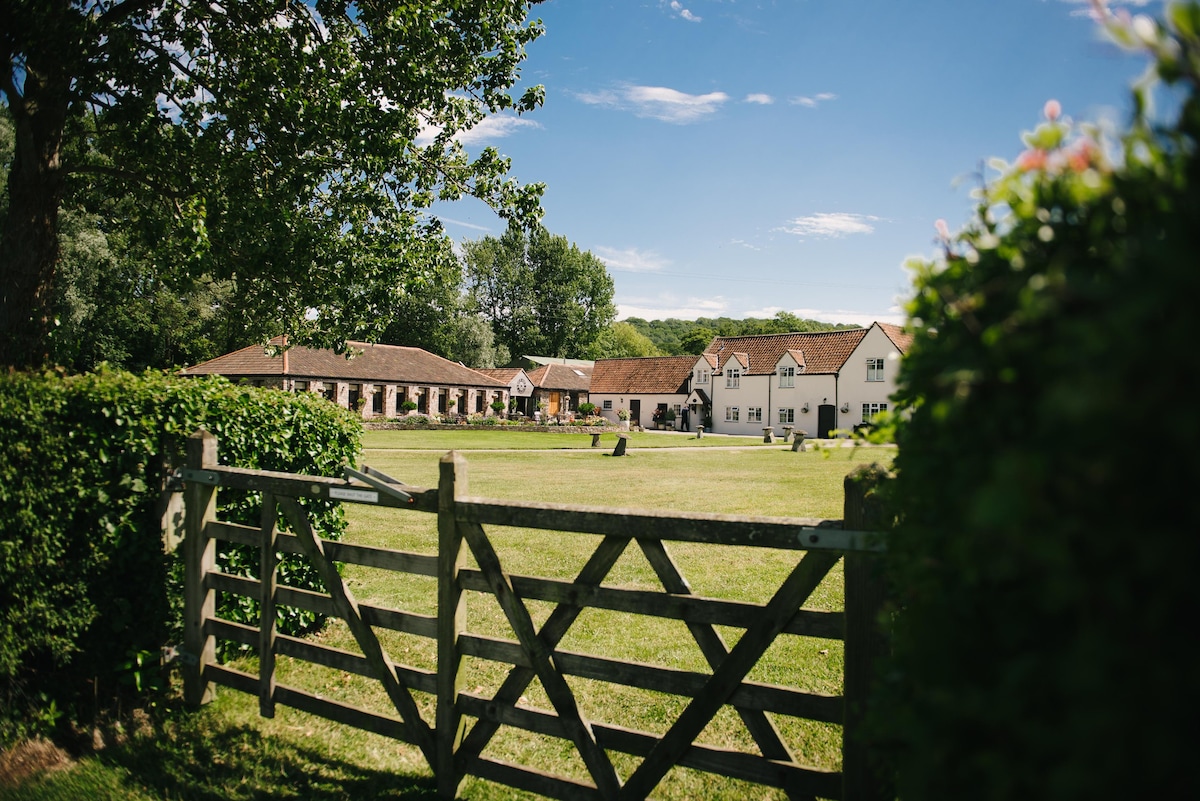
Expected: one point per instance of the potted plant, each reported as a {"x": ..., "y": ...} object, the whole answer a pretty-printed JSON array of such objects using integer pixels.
[
  {"x": 669, "y": 418},
  {"x": 497, "y": 407},
  {"x": 623, "y": 416},
  {"x": 408, "y": 407}
]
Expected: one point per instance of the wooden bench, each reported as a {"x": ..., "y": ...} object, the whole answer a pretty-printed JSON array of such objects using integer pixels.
[{"x": 622, "y": 441}]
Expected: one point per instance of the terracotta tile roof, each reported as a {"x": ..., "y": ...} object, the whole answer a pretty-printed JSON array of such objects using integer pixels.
[
  {"x": 504, "y": 374},
  {"x": 900, "y": 338},
  {"x": 573, "y": 378},
  {"x": 823, "y": 351},
  {"x": 659, "y": 375},
  {"x": 383, "y": 363}
]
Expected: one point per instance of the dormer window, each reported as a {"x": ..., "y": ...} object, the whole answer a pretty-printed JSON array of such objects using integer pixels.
[
  {"x": 787, "y": 376},
  {"x": 701, "y": 375},
  {"x": 733, "y": 377}
]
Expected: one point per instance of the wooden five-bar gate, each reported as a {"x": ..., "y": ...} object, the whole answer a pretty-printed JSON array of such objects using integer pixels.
[{"x": 453, "y": 748}]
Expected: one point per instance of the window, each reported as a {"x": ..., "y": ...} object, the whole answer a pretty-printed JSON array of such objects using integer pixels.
[
  {"x": 787, "y": 415},
  {"x": 377, "y": 399},
  {"x": 607, "y": 406},
  {"x": 733, "y": 378},
  {"x": 874, "y": 369},
  {"x": 754, "y": 414},
  {"x": 731, "y": 414},
  {"x": 701, "y": 375},
  {"x": 300, "y": 386},
  {"x": 869, "y": 410},
  {"x": 787, "y": 376}
]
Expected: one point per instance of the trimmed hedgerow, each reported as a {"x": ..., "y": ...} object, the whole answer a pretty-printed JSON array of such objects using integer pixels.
[
  {"x": 85, "y": 585},
  {"x": 1046, "y": 551}
]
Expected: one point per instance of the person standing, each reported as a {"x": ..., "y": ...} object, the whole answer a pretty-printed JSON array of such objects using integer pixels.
[{"x": 683, "y": 419}]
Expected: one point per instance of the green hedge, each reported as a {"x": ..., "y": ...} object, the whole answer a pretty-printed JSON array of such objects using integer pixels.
[
  {"x": 85, "y": 586},
  {"x": 1046, "y": 552}
]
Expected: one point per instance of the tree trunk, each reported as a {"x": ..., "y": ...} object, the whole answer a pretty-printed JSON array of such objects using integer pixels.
[{"x": 29, "y": 240}]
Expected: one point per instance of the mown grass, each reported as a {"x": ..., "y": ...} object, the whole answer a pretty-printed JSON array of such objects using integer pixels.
[
  {"x": 227, "y": 751},
  {"x": 501, "y": 438}
]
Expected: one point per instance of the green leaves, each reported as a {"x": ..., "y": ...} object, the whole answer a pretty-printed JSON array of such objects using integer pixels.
[
  {"x": 83, "y": 578},
  {"x": 541, "y": 294},
  {"x": 1051, "y": 329},
  {"x": 296, "y": 145}
]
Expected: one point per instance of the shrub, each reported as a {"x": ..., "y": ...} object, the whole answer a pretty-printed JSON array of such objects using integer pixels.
[
  {"x": 84, "y": 584},
  {"x": 587, "y": 409},
  {"x": 1046, "y": 583}
]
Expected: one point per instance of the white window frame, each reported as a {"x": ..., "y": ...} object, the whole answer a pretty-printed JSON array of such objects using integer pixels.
[
  {"x": 787, "y": 377},
  {"x": 733, "y": 378},
  {"x": 732, "y": 414},
  {"x": 607, "y": 406},
  {"x": 754, "y": 414},
  {"x": 875, "y": 369},
  {"x": 869, "y": 410},
  {"x": 787, "y": 415},
  {"x": 702, "y": 376}
]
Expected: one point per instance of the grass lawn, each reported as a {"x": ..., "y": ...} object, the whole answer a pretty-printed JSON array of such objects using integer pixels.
[
  {"x": 506, "y": 439},
  {"x": 226, "y": 751}
]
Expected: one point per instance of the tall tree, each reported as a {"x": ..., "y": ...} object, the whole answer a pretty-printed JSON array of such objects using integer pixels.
[
  {"x": 297, "y": 145},
  {"x": 543, "y": 295}
]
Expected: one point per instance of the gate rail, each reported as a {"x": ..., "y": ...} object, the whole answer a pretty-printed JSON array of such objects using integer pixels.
[{"x": 452, "y": 748}]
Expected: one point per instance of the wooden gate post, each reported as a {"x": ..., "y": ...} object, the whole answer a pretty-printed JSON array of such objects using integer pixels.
[
  {"x": 865, "y": 641},
  {"x": 199, "y": 557},
  {"x": 451, "y": 623}
]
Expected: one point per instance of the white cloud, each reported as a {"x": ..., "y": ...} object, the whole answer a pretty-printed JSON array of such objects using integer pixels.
[
  {"x": 676, "y": 9},
  {"x": 893, "y": 315},
  {"x": 814, "y": 101},
  {"x": 1089, "y": 11},
  {"x": 658, "y": 102},
  {"x": 760, "y": 98},
  {"x": 488, "y": 129},
  {"x": 631, "y": 259},
  {"x": 829, "y": 225},
  {"x": 743, "y": 243},
  {"x": 663, "y": 308}
]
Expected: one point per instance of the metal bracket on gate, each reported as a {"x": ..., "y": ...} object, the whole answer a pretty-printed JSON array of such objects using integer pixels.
[
  {"x": 380, "y": 481},
  {"x": 172, "y": 654},
  {"x": 200, "y": 476}
]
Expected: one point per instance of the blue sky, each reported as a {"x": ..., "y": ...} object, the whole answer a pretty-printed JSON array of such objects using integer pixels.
[{"x": 741, "y": 157}]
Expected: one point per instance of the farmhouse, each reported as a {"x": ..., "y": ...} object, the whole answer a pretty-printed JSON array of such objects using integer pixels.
[
  {"x": 373, "y": 379},
  {"x": 641, "y": 386},
  {"x": 520, "y": 387},
  {"x": 560, "y": 388},
  {"x": 816, "y": 382}
]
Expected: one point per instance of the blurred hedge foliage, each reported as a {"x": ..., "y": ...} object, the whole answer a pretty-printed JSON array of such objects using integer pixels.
[
  {"x": 85, "y": 585},
  {"x": 1045, "y": 558}
]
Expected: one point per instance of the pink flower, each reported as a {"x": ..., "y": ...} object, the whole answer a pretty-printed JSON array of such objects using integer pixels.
[
  {"x": 942, "y": 229},
  {"x": 1080, "y": 157},
  {"x": 1052, "y": 110},
  {"x": 1031, "y": 160}
]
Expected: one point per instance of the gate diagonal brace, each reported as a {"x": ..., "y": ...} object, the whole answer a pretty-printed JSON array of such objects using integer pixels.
[
  {"x": 379, "y": 480},
  {"x": 557, "y": 690},
  {"x": 347, "y": 608},
  {"x": 552, "y": 632},
  {"x": 713, "y": 647},
  {"x": 727, "y": 677}
]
